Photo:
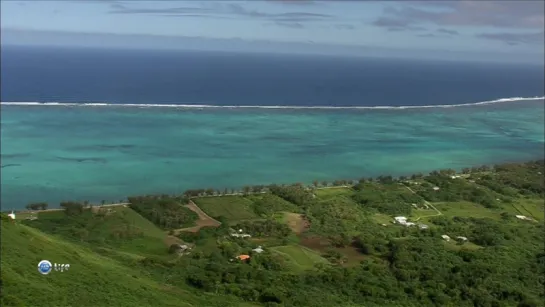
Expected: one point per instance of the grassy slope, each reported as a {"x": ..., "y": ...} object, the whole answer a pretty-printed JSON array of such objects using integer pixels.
[
  {"x": 107, "y": 231},
  {"x": 234, "y": 208},
  {"x": 299, "y": 257},
  {"x": 92, "y": 280},
  {"x": 105, "y": 279}
]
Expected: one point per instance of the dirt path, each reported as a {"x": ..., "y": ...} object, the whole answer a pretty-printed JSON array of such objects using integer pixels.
[
  {"x": 427, "y": 203},
  {"x": 204, "y": 219}
]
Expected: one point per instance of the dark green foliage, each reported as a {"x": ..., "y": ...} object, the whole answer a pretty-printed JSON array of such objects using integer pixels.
[
  {"x": 72, "y": 208},
  {"x": 267, "y": 204},
  {"x": 37, "y": 206},
  {"x": 457, "y": 190},
  {"x": 268, "y": 228},
  {"x": 393, "y": 199},
  {"x": 164, "y": 211},
  {"x": 296, "y": 194}
]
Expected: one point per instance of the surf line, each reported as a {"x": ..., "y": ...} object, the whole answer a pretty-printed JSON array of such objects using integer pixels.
[{"x": 202, "y": 106}]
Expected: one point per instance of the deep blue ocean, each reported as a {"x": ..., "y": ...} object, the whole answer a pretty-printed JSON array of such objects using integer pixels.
[
  {"x": 81, "y": 151},
  {"x": 177, "y": 77}
]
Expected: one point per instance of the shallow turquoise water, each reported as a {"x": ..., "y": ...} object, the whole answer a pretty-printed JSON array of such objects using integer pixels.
[{"x": 107, "y": 153}]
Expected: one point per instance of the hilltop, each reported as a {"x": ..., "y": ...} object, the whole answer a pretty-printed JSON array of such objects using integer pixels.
[{"x": 476, "y": 240}]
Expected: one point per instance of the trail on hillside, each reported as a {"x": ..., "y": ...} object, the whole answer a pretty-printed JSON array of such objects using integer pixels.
[{"x": 204, "y": 219}]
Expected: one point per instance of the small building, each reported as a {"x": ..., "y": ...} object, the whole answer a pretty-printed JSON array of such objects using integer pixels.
[
  {"x": 423, "y": 226},
  {"x": 258, "y": 250},
  {"x": 400, "y": 219},
  {"x": 522, "y": 217},
  {"x": 11, "y": 215},
  {"x": 445, "y": 237},
  {"x": 409, "y": 224},
  {"x": 436, "y": 188},
  {"x": 243, "y": 235},
  {"x": 243, "y": 257},
  {"x": 461, "y": 238}
]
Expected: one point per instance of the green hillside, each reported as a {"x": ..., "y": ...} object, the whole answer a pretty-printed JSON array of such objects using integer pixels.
[
  {"x": 92, "y": 280},
  {"x": 307, "y": 246}
]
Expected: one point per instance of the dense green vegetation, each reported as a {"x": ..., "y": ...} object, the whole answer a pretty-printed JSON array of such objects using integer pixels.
[
  {"x": 164, "y": 211},
  {"x": 320, "y": 247}
]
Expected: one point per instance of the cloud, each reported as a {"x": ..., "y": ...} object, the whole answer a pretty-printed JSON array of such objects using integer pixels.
[
  {"x": 396, "y": 25},
  {"x": 506, "y": 14},
  {"x": 227, "y": 9},
  {"x": 344, "y": 27},
  {"x": 292, "y": 25},
  {"x": 515, "y": 38},
  {"x": 447, "y": 31}
]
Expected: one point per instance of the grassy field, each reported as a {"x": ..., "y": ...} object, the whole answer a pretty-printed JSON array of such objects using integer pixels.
[
  {"x": 122, "y": 229},
  {"x": 468, "y": 209},
  {"x": 333, "y": 192},
  {"x": 93, "y": 280},
  {"x": 233, "y": 208},
  {"x": 300, "y": 257},
  {"x": 295, "y": 221},
  {"x": 534, "y": 208}
]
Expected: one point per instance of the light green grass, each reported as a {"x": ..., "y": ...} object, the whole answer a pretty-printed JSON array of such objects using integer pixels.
[
  {"x": 468, "y": 209},
  {"x": 382, "y": 218},
  {"x": 234, "y": 208},
  {"x": 300, "y": 257},
  {"x": 533, "y": 208},
  {"x": 453, "y": 245},
  {"x": 123, "y": 229},
  {"x": 333, "y": 192},
  {"x": 93, "y": 280}
]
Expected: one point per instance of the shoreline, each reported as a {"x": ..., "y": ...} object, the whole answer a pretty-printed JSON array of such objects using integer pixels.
[{"x": 316, "y": 185}]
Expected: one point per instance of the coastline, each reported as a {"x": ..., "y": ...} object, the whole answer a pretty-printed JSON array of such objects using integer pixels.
[
  {"x": 185, "y": 150},
  {"x": 263, "y": 189}
]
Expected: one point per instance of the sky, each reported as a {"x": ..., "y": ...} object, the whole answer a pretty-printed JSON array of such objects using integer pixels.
[{"x": 501, "y": 30}]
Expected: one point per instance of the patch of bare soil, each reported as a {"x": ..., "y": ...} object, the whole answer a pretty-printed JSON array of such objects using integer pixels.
[
  {"x": 169, "y": 240},
  {"x": 203, "y": 221},
  {"x": 297, "y": 222}
]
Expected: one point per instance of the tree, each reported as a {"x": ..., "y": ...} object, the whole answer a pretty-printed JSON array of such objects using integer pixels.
[
  {"x": 324, "y": 183},
  {"x": 315, "y": 183},
  {"x": 72, "y": 208},
  {"x": 246, "y": 190}
]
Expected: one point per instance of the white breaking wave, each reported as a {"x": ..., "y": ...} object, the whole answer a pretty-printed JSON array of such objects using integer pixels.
[{"x": 202, "y": 106}]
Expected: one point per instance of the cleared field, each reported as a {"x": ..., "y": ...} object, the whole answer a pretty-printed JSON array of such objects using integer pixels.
[
  {"x": 326, "y": 193},
  {"x": 382, "y": 218},
  {"x": 453, "y": 245},
  {"x": 203, "y": 221},
  {"x": 321, "y": 245},
  {"x": 233, "y": 208},
  {"x": 468, "y": 209},
  {"x": 300, "y": 257},
  {"x": 294, "y": 220},
  {"x": 534, "y": 208}
]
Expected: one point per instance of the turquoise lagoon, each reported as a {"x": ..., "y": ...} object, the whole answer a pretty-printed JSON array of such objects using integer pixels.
[{"x": 56, "y": 153}]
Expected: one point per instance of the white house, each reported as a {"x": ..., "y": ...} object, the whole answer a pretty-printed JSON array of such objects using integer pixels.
[
  {"x": 258, "y": 250},
  {"x": 461, "y": 238},
  {"x": 522, "y": 217},
  {"x": 436, "y": 188},
  {"x": 410, "y": 224},
  {"x": 243, "y": 235},
  {"x": 445, "y": 237},
  {"x": 401, "y": 219},
  {"x": 11, "y": 215},
  {"x": 423, "y": 226}
]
